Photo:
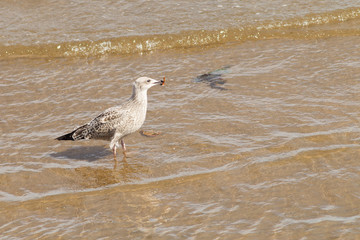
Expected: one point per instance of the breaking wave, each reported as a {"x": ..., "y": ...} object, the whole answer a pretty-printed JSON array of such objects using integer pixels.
[{"x": 307, "y": 27}]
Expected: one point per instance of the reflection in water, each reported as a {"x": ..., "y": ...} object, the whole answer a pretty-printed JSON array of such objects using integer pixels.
[
  {"x": 98, "y": 177},
  {"x": 123, "y": 160}
]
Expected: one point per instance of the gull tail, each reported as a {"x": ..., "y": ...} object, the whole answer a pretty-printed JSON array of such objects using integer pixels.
[
  {"x": 78, "y": 134},
  {"x": 68, "y": 136}
]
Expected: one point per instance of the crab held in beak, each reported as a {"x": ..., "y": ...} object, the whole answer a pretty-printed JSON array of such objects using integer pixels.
[{"x": 162, "y": 82}]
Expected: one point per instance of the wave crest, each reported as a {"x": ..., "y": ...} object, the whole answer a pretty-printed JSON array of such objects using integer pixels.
[{"x": 296, "y": 28}]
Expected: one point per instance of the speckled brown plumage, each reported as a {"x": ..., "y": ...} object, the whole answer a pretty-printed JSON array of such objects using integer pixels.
[{"x": 115, "y": 123}]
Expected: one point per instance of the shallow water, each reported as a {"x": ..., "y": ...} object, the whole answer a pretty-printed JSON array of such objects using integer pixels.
[{"x": 274, "y": 156}]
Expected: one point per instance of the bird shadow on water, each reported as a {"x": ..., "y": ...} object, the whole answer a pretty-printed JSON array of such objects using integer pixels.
[
  {"x": 89, "y": 176},
  {"x": 89, "y": 154}
]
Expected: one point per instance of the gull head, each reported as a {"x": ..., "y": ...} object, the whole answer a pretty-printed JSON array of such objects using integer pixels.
[{"x": 144, "y": 83}]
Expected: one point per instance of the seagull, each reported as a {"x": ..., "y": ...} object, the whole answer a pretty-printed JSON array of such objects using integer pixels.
[{"x": 115, "y": 123}]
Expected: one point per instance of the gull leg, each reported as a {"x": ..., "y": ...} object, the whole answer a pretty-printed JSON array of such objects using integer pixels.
[
  {"x": 123, "y": 147},
  {"x": 114, "y": 153},
  {"x": 113, "y": 146},
  {"x": 115, "y": 160}
]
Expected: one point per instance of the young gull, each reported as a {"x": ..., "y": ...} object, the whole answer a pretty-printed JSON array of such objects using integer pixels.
[{"x": 115, "y": 123}]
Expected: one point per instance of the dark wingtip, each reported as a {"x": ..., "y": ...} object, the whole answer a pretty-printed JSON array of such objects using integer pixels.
[{"x": 66, "y": 137}]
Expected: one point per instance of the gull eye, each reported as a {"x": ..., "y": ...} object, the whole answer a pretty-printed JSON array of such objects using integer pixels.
[{"x": 148, "y": 80}]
